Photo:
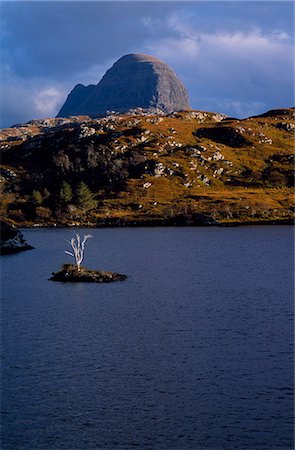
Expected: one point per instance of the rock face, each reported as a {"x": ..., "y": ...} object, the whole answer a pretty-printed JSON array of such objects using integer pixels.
[
  {"x": 69, "y": 273},
  {"x": 12, "y": 240},
  {"x": 134, "y": 81}
]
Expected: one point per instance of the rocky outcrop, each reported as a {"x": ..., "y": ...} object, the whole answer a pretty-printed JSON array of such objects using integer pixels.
[
  {"x": 223, "y": 135},
  {"x": 69, "y": 273},
  {"x": 134, "y": 81},
  {"x": 12, "y": 240},
  {"x": 148, "y": 170},
  {"x": 281, "y": 112}
]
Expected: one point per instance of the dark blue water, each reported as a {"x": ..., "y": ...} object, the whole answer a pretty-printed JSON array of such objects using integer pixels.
[{"x": 193, "y": 351}]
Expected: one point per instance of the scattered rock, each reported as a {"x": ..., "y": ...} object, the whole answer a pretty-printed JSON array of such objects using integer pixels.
[
  {"x": 204, "y": 179},
  {"x": 117, "y": 166},
  {"x": 229, "y": 163},
  {"x": 241, "y": 129},
  {"x": 202, "y": 117},
  {"x": 217, "y": 156},
  {"x": 159, "y": 169},
  {"x": 218, "y": 172},
  {"x": 265, "y": 141},
  {"x": 290, "y": 127},
  {"x": 86, "y": 131}
]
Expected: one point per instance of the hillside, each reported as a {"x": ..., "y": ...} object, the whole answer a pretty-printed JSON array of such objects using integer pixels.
[{"x": 182, "y": 168}]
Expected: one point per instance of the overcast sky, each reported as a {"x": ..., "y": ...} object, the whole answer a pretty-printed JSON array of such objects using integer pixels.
[{"x": 233, "y": 57}]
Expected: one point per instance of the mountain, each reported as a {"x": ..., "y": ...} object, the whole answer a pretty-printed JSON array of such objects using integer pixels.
[
  {"x": 189, "y": 167},
  {"x": 134, "y": 81}
]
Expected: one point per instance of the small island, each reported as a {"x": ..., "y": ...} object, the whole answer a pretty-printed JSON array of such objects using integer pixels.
[
  {"x": 77, "y": 273},
  {"x": 70, "y": 273}
]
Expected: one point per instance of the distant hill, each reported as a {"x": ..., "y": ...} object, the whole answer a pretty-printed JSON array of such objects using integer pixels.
[
  {"x": 188, "y": 167},
  {"x": 134, "y": 81}
]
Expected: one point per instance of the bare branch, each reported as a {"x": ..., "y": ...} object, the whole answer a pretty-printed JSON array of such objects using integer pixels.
[
  {"x": 87, "y": 236},
  {"x": 78, "y": 247}
]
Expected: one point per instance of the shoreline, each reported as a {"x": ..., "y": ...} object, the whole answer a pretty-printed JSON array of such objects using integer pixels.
[{"x": 157, "y": 224}]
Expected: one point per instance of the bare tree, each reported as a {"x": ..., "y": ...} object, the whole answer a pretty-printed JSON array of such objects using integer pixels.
[{"x": 78, "y": 246}]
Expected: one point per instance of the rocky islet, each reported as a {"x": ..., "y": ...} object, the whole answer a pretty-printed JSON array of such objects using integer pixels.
[{"x": 70, "y": 274}]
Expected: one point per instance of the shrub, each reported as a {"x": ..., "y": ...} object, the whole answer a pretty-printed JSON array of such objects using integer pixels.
[
  {"x": 65, "y": 193},
  {"x": 37, "y": 198},
  {"x": 85, "y": 198}
]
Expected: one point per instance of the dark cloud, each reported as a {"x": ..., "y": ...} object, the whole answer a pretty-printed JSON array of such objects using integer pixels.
[
  {"x": 54, "y": 39},
  {"x": 235, "y": 57}
]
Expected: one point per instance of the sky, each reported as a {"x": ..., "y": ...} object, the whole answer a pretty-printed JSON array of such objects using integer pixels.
[{"x": 234, "y": 57}]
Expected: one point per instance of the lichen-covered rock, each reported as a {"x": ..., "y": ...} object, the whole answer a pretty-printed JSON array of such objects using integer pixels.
[
  {"x": 12, "y": 240},
  {"x": 69, "y": 273},
  {"x": 286, "y": 126},
  {"x": 134, "y": 81}
]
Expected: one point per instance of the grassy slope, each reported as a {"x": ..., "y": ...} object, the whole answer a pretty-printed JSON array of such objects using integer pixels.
[
  {"x": 224, "y": 202},
  {"x": 254, "y": 185}
]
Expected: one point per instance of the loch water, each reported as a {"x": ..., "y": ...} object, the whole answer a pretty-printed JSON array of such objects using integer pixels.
[{"x": 193, "y": 351}]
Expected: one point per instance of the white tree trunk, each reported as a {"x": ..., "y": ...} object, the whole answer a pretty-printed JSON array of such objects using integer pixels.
[{"x": 78, "y": 247}]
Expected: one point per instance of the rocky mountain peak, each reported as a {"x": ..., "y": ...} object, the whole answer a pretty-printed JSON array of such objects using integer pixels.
[{"x": 136, "y": 80}]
